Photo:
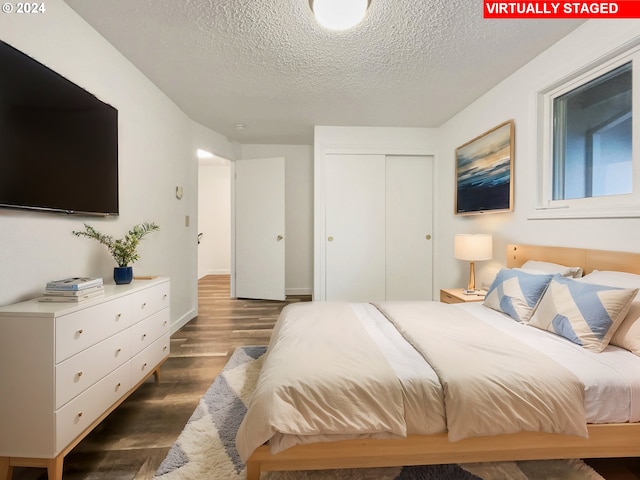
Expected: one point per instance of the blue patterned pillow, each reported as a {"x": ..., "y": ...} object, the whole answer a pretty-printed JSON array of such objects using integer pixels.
[
  {"x": 516, "y": 293},
  {"x": 585, "y": 313}
]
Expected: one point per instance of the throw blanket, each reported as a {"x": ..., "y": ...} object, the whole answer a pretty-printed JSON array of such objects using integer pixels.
[
  {"x": 322, "y": 375},
  {"x": 493, "y": 384}
]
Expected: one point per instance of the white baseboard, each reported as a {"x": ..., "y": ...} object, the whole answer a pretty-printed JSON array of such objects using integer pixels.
[
  {"x": 219, "y": 272},
  {"x": 298, "y": 291},
  {"x": 182, "y": 321}
]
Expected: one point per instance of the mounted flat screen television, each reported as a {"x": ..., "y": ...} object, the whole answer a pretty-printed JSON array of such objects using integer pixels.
[{"x": 58, "y": 142}]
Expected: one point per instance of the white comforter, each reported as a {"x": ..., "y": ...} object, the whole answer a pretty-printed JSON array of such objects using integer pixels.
[
  {"x": 338, "y": 370},
  {"x": 493, "y": 383},
  {"x": 323, "y": 375}
]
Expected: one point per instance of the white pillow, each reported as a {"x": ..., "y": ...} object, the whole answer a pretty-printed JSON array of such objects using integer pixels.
[
  {"x": 628, "y": 333},
  {"x": 586, "y": 313},
  {"x": 613, "y": 279},
  {"x": 553, "y": 268}
]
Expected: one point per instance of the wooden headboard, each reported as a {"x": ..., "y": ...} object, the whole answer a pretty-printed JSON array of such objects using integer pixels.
[{"x": 589, "y": 260}]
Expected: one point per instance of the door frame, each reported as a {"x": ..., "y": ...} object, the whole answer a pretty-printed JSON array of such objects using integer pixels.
[
  {"x": 329, "y": 147},
  {"x": 232, "y": 260}
]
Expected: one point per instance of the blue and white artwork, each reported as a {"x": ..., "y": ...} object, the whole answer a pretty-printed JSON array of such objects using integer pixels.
[{"x": 484, "y": 169}]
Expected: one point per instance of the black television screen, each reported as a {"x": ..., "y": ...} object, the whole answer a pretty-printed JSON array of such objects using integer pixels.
[{"x": 58, "y": 142}]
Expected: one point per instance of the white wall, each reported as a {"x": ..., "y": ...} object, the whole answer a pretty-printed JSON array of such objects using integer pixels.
[
  {"x": 298, "y": 170},
  {"x": 515, "y": 98},
  {"x": 214, "y": 142},
  {"x": 214, "y": 220},
  {"x": 156, "y": 154}
]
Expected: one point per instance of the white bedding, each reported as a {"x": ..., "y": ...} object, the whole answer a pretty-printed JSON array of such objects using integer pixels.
[
  {"x": 611, "y": 378},
  {"x": 410, "y": 367}
]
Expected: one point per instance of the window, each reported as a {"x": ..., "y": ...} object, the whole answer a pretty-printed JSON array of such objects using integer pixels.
[
  {"x": 588, "y": 166},
  {"x": 592, "y": 138}
]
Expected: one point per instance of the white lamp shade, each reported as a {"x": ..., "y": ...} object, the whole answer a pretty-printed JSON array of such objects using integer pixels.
[
  {"x": 473, "y": 247},
  {"x": 339, "y": 14}
]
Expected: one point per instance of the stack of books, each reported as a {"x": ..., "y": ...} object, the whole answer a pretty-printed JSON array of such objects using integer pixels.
[{"x": 74, "y": 289}]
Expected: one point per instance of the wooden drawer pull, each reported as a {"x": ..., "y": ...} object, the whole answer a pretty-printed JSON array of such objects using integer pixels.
[
  {"x": 80, "y": 331},
  {"x": 79, "y": 414},
  {"x": 80, "y": 373}
]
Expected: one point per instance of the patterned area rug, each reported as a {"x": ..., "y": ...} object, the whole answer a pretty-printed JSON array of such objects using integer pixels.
[{"x": 206, "y": 447}]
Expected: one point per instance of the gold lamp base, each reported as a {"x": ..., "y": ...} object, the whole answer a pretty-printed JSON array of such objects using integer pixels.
[{"x": 471, "y": 287}]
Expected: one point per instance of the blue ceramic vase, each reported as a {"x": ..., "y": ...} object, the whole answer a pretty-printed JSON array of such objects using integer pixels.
[{"x": 122, "y": 275}]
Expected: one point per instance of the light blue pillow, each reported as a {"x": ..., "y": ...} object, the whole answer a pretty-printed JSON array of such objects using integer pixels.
[
  {"x": 585, "y": 313},
  {"x": 516, "y": 293}
]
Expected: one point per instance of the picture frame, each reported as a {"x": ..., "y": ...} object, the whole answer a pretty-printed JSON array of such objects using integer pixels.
[{"x": 484, "y": 172}]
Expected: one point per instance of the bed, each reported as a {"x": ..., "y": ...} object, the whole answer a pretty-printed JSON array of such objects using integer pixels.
[{"x": 594, "y": 432}]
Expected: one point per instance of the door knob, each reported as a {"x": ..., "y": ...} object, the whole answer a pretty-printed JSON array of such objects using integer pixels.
[{"x": 279, "y": 237}]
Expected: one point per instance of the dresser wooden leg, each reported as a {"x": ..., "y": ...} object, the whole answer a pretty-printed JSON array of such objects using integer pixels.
[
  {"x": 6, "y": 470},
  {"x": 156, "y": 375},
  {"x": 54, "y": 468}
]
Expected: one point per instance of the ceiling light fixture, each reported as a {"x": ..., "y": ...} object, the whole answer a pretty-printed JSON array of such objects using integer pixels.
[{"x": 339, "y": 14}]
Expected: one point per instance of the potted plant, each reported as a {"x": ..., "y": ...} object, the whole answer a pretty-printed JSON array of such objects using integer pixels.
[{"x": 123, "y": 250}]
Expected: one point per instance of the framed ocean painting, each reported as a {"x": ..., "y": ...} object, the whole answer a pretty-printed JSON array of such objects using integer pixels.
[{"x": 484, "y": 172}]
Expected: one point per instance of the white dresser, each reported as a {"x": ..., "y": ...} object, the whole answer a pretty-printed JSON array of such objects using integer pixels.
[{"x": 65, "y": 366}]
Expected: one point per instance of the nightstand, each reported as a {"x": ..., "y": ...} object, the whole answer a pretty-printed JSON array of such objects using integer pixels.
[{"x": 455, "y": 295}]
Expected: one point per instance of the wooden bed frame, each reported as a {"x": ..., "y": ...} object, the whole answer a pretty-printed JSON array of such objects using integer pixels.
[{"x": 607, "y": 440}]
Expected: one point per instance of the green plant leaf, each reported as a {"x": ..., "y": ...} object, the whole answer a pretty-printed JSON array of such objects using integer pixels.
[{"x": 123, "y": 250}]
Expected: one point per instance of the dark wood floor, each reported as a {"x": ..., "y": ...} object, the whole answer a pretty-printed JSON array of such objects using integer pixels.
[{"x": 131, "y": 443}]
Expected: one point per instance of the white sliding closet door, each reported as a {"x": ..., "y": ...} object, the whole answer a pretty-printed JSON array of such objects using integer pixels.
[
  {"x": 355, "y": 227},
  {"x": 409, "y": 218},
  {"x": 379, "y": 227}
]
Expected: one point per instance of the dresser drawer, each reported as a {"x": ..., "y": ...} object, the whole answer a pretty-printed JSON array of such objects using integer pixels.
[
  {"x": 79, "y": 372},
  {"x": 83, "y": 328},
  {"x": 147, "y": 360},
  {"x": 77, "y": 415},
  {"x": 144, "y": 333},
  {"x": 149, "y": 301}
]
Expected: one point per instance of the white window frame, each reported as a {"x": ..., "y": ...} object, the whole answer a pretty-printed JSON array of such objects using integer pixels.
[{"x": 611, "y": 206}]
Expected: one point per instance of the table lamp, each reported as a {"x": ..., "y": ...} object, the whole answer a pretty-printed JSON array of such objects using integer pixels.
[{"x": 473, "y": 248}]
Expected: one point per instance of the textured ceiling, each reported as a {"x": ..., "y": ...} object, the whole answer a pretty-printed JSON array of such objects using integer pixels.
[{"x": 267, "y": 64}]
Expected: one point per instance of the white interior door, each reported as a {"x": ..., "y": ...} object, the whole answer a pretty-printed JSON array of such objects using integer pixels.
[
  {"x": 355, "y": 225},
  {"x": 409, "y": 219},
  {"x": 260, "y": 229}
]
